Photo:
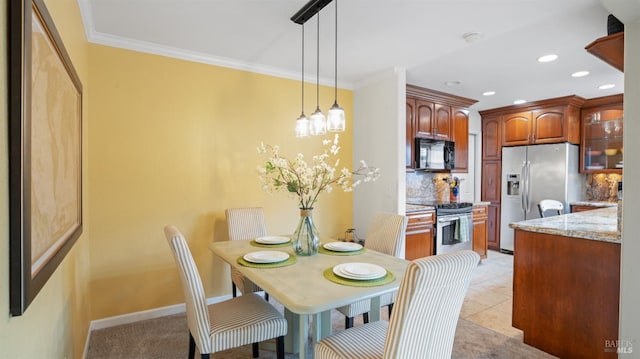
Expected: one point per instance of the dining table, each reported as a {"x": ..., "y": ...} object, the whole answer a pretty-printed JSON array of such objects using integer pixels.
[{"x": 308, "y": 287}]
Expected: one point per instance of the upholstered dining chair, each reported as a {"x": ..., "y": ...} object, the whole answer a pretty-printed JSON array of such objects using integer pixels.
[
  {"x": 229, "y": 324},
  {"x": 550, "y": 205},
  {"x": 245, "y": 223},
  {"x": 423, "y": 323},
  {"x": 386, "y": 234}
]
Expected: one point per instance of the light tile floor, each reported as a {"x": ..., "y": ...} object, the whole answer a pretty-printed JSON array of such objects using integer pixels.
[{"x": 490, "y": 296}]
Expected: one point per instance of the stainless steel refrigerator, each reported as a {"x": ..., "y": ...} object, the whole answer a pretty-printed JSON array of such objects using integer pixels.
[{"x": 531, "y": 174}]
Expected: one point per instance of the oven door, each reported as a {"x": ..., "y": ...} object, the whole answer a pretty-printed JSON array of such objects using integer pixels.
[{"x": 454, "y": 233}]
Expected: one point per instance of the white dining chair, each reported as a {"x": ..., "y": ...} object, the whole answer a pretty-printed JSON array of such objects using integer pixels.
[
  {"x": 245, "y": 223},
  {"x": 387, "y": 235},
  {"x": 550, "y": 205},
  {"x": 423, "y": 323},
  {"x": 225, "y": 325}
]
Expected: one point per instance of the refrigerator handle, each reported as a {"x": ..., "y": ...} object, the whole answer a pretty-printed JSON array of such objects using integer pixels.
[
  {"x": 523, "y": 199},
  {"x": 528, "y": 201}
]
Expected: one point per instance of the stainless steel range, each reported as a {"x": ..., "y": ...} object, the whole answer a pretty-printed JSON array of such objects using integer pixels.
[{"x": 454, "y": 226}]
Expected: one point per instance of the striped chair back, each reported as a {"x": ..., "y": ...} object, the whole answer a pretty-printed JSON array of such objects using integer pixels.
[
  {"x": 425, "y": 315},
  {"x": 386, "y": 234},
  {"x": 197, "y": 313},
  {"x": 245, "y": 223}
]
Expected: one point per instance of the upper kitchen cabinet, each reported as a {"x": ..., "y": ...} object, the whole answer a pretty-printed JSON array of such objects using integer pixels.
[
  {"x": 437, "y": 115},
  {"x": 460, "y": 126},
  {"x": 548, "y": 121},
  {"x": 602, "y": 130}
]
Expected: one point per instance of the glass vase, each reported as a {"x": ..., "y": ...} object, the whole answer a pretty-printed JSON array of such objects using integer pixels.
[{"x": 306, "y": 238}]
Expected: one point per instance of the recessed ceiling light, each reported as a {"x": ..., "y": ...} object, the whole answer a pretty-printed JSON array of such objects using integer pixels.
[
  {"x": 606, "y": 87},
  {"x": 452, "y": 83},
  {"x": 547, "y": 58},
  {"x": 488, "y": 93},
  {"x": 580, "y": 74},
  {"x": 519, "y": 102}
]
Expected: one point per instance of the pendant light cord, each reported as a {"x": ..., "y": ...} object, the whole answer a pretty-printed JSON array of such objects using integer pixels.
[
  {"x": 336, "y": 57},
  {"x": 318, "y": 64},
  {"x": 302, "y": 81}
]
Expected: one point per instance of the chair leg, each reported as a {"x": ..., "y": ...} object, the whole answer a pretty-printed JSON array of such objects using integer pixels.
[
  {"x": 256, "y": 350},
  {"x": 204, "y": 356},
  {"x": 192, "y": 347},
  {"x": 348, "y": 322},
  {"x": 390, "y": 309},
  {"x": 266, "y": 296},
  {"x": 280, "y": 347},
  {"x": 234, "y": 291},
  {"x": 365, "y": 317}
]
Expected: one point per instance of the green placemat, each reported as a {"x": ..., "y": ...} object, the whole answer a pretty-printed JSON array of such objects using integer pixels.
[
  {"x": 288, "y": 262},
  {"x": 323, "y": 250},
  {"x": 261, "y": 245},
  {"x": 328, "y": 273}
]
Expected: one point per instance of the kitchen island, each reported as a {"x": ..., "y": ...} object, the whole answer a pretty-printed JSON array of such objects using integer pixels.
[{"x": 566, "y": 283}]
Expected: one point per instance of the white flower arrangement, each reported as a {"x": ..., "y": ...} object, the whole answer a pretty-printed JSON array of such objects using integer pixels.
[{"x": 306, "y": 181}]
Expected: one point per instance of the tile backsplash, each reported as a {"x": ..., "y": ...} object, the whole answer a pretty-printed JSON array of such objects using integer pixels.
[
  {"x": 427, "y": 186},
  {"x": 602, "y": 187}
]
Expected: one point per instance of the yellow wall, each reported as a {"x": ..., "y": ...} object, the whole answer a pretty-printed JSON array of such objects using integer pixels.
[
  {"x": 55, "y": 324},
  {"x": 173, "y": 141}
]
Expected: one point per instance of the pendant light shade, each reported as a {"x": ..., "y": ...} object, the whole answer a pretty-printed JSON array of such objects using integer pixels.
[
  {"x": 318, "y": 121},
  {"x": 336, "y": 118},
  {"x": 302, "y": 123}
]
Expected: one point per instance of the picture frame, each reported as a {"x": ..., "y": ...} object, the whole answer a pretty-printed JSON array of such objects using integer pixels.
[{"x": 45, "y": 151}]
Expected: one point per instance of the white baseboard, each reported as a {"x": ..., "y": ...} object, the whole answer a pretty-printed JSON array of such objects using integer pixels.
[{"x": 145, "y": 314}]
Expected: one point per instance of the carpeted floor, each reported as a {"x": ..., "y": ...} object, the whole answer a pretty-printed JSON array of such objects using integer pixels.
[{"x": 167, "y": 338}]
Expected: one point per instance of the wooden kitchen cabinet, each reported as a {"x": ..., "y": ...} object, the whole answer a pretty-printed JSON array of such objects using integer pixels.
[
  {"x": 480, "y": 228},
  {"x": 491, "y": 139},
  {"x": 543, "y": 125},
  {"x": 602, "y": 130},
  {"x": 460, "y": 125},
  {"x": 581, "y": 208},
  {"x": 419, "y": 234},
  {"x": 433, "y": 114},
  {"x": 493, "y": 226}
]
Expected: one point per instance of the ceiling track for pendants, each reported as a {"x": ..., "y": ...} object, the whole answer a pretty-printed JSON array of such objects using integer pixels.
[{"x": 309, "y": 10}]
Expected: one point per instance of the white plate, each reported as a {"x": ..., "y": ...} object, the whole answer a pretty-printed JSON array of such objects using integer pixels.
[
  {"x": 272, "y": 240},
  {"x": 359, "y": 271},
  {"x": 342, "y": 246},
  {"x": 266, "y": 257},
  {"x": 594, "y": 167}
]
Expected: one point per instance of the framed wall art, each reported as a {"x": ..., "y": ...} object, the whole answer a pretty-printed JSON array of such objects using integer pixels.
[{"x": 45, "y": 151}]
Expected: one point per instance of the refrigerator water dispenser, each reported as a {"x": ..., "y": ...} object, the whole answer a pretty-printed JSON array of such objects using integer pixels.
[{"x": 513, "y": 184}]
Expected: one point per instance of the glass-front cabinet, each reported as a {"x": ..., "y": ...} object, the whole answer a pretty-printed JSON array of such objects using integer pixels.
[{"x": 602, "y": 148}]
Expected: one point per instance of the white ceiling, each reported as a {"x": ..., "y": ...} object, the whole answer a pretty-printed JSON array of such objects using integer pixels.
[{"x": 422, "y": 36}]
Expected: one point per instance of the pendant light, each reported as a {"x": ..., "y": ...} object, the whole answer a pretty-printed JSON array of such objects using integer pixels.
[
  {"x": 302, "y": 123},
  {"x": 318, "y": 121},
  {"x": 336, "y": 118}
]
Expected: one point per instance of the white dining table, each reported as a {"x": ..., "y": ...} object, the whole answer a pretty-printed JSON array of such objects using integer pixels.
[{"x": 305, "y": 292}]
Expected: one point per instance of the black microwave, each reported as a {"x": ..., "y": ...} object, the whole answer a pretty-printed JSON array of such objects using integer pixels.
[{"x": 436, "y": 155}]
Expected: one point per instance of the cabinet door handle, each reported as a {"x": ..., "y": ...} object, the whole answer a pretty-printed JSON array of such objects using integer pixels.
[{"x": 490, "y": 180}]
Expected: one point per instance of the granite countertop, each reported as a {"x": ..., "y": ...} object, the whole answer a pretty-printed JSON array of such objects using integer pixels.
[
  {"x": 597, "y": 225},
  {"x": 595, "y": 203}
]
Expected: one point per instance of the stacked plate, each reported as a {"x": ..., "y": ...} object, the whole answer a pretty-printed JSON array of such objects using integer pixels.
[
  {"x": 266, "y": 257},
  {"x": 342, "y": 246},
  {"x": 359, "y": 271},
  {"x": 272, "y": 240}
]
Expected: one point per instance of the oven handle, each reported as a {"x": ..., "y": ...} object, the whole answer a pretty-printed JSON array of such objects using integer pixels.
[{"x": 448, "y": 219}]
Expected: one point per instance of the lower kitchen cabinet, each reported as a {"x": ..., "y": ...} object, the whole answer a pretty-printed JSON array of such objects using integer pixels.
[
  {"x": 493, "y": 226},
  {"x": 419, "y": 235},
  {"x": 480, "y": 230}
]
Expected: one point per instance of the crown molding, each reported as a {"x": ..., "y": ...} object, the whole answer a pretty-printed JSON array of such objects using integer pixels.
[{"x": 100, "y": 38}]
